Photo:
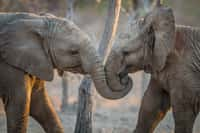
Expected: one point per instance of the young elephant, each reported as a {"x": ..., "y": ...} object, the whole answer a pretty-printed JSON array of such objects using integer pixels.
[
  {"x": 171, "y": 54},
  {"x": 31, "y": 46}
]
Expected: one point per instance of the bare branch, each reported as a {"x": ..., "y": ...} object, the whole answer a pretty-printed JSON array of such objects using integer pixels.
[
  {"x": 70, "y": 9},
  {"x": 110, "y": 27},
  {"x": 157, "y": 3}
]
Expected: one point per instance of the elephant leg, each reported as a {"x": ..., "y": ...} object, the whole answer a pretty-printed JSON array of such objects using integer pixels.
[
  {"x": 17, "y": 107},
  {"x": 155, "y": 104},
  {"x": 42, "y": 110},
  {"x": 184, "y": 115}
]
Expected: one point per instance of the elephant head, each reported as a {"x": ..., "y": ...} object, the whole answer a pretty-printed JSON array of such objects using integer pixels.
[
  {"x": 146, "y": 47},
  {"x": 38, "y": 44}
]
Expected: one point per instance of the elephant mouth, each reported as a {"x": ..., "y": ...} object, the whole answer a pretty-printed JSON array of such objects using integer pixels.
[
  {"x": 75, "y": 69},
  {"x": 124, "y": 78},
  {"x": 147, "y": 68}
]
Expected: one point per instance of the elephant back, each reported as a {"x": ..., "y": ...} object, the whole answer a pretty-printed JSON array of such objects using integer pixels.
[
  {"x": 10, "y": 17},
  {"x": 188, "y": 45}
]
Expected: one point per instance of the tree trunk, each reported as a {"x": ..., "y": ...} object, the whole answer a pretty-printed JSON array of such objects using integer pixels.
[
  {"x": 84, "y": 115},
  {"x": 110, "y": 27},
  {"x": 70, "y": 9},
  {"x": 146, "y": 5},
  {"x": 65, "y": 102}
]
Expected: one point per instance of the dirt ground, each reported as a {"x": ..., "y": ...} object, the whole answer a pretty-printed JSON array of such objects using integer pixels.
[
  {"x": 108, "y": 116},
  {"x": 105, "y": 120}
]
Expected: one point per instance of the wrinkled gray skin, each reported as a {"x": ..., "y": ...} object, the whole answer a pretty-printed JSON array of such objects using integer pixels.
[
  {"x": 31, "y": 47},
  {"x": 171, "y": 54}
]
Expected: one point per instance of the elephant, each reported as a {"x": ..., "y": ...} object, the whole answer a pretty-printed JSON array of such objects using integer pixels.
[
  {"x": 171, "y": 54},
  {"x": 31, "y": 47}
]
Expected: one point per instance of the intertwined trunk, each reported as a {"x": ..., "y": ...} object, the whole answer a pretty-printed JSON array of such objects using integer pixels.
[{"x": 84, "y": 115}]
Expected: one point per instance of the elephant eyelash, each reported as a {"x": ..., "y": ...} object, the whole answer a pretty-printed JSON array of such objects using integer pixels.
[
  {"x": 126, "y": 53},
  {"x": 74, "y": 52},
  {"x": 152, "y": 38}
]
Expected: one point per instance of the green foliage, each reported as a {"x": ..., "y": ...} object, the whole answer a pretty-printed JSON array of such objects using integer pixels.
[
  {"x": 166, "y": 2},
  {"x": 85, "y": 3},
  {"x": 102, "y": 6},
  {"x": 191, "y": 8},
  {"x": 127, "y": 4}
]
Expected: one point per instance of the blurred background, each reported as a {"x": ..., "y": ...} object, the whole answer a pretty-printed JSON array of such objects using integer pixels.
[{"x": 118, "y": 116}]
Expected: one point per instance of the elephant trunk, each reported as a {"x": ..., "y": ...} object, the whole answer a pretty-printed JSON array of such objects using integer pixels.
[
  {"x": 92, "y": 64},
  {"x": 116, "y": 72}
]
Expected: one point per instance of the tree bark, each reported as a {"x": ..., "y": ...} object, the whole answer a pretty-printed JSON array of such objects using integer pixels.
[
  {"x": 84, "y": 115},
  {"x": 110, "y": 27},
  {"x": 65, "y": 98},
  {"x": 146, "y": 5},
  {"x": 70, "y": 9}
]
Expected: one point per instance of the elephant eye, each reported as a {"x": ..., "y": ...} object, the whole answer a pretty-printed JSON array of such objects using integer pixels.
[
  {"x": 126, "y": 53},
  {"x": 74, "y": 52}
]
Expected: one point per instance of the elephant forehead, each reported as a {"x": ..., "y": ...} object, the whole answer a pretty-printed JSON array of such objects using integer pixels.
[
  {"x": 127, "y": 36},
  {"x": 79, "y": 36},
  {"x": 133, "y": 31}
]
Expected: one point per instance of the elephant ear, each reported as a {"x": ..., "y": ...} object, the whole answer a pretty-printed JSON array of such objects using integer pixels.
[
  {"x": 163, "y": 23},
  {"x": 21, "y": 45}
]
